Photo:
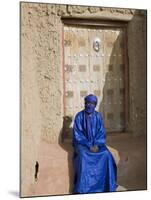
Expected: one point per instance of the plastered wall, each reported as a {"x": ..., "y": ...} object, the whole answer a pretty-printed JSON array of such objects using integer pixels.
[{"x": 42, "y": 77}]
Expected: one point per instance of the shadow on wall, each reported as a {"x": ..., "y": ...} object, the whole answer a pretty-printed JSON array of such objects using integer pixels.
[
  {"x": 112, "y": 103},
  {"x": 113, "y": 95},
  {"x": 65, "y": 134}
]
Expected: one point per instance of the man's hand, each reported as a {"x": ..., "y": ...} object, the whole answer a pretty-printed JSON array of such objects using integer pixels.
[{"x": 94, "y": 149}]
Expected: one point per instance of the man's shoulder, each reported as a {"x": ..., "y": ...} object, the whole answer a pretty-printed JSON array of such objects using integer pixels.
[
  {"x": 79, "y": 114},
  {"x": 98, "y": 114}
]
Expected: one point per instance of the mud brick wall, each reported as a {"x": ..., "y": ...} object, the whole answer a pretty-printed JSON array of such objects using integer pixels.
[{"x": 42, "y": 80}]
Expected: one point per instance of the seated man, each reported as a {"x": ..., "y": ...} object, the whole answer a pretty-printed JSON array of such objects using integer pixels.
[{"x": 95, "y": 167}]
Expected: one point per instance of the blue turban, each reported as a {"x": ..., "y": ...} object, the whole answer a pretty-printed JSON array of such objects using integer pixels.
[{"x": 91, "y": 98}]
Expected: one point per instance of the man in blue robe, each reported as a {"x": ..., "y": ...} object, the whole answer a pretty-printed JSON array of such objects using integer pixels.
[{"x": 95, "y": 167}]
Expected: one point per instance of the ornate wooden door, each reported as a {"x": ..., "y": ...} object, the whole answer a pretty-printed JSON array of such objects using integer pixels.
[{"x": 94, "y": 62}]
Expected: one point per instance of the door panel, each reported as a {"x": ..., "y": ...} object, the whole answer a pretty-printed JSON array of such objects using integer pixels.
[{"x": 95, "y": 69}]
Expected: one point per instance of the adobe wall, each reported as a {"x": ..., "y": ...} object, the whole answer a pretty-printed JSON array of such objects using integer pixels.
[{"x": 42, "y": 79}]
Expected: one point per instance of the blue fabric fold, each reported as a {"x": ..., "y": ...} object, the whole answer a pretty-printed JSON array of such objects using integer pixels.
[{"x": 94, "y": 172}]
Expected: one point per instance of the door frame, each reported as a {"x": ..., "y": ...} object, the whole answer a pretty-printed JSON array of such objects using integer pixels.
[{"x": 101, "y": 23}]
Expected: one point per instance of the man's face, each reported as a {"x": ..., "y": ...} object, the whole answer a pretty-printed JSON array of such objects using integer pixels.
[{"x": 90, "y": 107}]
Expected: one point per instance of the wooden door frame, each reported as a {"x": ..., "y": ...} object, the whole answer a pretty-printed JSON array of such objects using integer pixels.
[{"x": 97, "y": 24}]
